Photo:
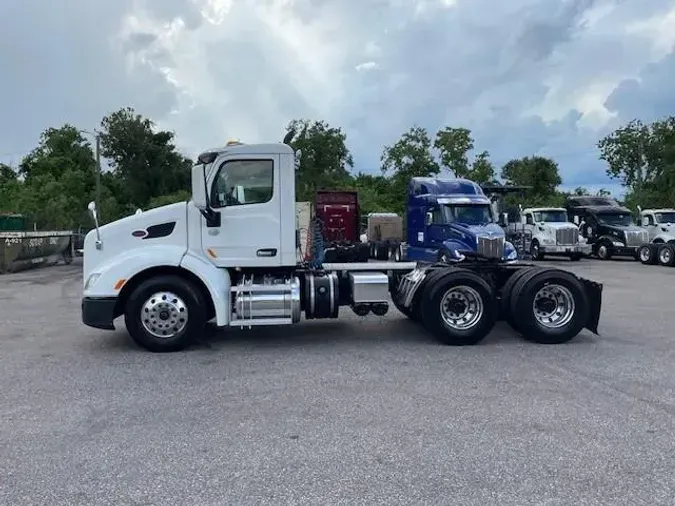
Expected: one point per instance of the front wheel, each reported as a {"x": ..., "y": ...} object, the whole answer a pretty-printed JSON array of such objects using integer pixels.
[
  {"x": 604, "y": 252},
  {"x": 165, "y": 314},
  {"x": 535, "y": 251}
]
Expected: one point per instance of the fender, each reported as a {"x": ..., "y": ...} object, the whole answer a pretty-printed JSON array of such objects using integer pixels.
[
  {"x": 455, "y": 245},
  {"x": 114, "y": 273},
  {"x": 609, "y": 238},
  {"x": 216, "y": 280},
  {"x": 664, "y": 238}
]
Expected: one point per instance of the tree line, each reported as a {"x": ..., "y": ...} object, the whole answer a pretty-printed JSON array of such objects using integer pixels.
[{"x": 52, "y": 184}]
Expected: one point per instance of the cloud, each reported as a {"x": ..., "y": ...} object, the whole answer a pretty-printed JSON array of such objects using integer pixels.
[{"x": 527, "y": 76}]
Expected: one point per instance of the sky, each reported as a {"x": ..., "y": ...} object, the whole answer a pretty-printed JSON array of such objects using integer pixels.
[{"x": 544, "y": 77}]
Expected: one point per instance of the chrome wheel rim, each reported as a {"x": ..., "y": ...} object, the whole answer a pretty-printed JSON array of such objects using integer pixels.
[
  {"x": 664, "y": 255},
  {"x": 461, "y": 308},
  {"x": 535, "y": 251},
  {"x": 553, "y": 306},
  {"x": 602, "y": 252},
  {"x": 164, "y": 315},
  {"x": 644, "y": 254}
]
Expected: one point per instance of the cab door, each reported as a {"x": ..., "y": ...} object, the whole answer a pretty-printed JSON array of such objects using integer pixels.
[{"x": 246, "y": 192}]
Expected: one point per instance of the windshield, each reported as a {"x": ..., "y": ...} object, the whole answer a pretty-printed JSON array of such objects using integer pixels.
[
  {"x": 616, "y": 219},
  {"x": 550, "y": 216},
  {"x": 665, "y": 217},
  {"x": 470, "y": 214}
]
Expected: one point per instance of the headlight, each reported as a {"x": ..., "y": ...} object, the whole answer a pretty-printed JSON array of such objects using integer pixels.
[
  {"x": 513, "y": 255},
  {"x": 91, "y": 280}
]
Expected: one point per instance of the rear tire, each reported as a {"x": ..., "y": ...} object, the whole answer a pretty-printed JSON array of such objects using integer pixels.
[
  {"x": 535, "y": 251},
  {"x": 459, "y": 308},
  {"x": 666, "y": 255},
  {"x": 507, "y": 291},
  {"x": 647, "y": 254},
  {"x": 165, "y": 314},
  {"x": 552, "y": 306}
]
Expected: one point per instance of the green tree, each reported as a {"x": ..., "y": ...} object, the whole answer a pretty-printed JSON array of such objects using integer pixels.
[
  {"x": 642, "y": 157},
  {"x": 539, "y": 173},
  {"x": 409, "y": 157},
  {"x": 58, "y": 179},
  {"x": 454, "y": 144},
  {"x": 145, "y": 160},
  {"x": 325, "y": 160},
  {"x": 482, "y": 170}
]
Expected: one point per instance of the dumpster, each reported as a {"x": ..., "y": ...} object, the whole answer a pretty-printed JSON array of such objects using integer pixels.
[{"x": 24, "y": 250}]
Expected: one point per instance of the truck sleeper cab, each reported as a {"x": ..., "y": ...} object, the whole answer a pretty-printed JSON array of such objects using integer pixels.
[
  {"x": 450, "y": 219},
  {"x": 229, "y": 256}
]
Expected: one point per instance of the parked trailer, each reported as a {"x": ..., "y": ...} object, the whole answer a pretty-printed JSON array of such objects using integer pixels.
[
  {"x": 339, "y": 215},
  {"x": 171, "y": 269},
  {"x": 385, "y": 235},
  {"x": 25, "y": 250}
]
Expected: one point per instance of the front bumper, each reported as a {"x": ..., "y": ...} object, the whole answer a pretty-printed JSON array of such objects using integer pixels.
[
  {"x": 99, "y": 312},
  {"x": 584, "y": 249}
]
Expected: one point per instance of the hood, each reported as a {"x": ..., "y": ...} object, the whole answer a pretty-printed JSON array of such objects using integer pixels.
[
  {"x": 559, "y": 225},
  {"x": 489, "y": 229},
  {"x": 118, "y": 237},
  {"x": 624, "y": 228}
]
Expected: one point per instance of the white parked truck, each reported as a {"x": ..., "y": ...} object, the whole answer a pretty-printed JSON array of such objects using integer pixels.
[
  {"x": 229, "y": 256},
  {"x": 660, "y": 225},
  {"x": 551, "y": 233}
]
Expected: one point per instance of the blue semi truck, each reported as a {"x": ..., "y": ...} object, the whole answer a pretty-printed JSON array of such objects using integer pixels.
[{"x": 448, "y": 220}]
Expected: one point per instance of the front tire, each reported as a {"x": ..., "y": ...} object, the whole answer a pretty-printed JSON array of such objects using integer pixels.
[
  {"x": 459, "y": 308},
  {"x": 165, "y": 314},
  {"x": 535, "y": 251},
  {"x": 604, "y": 251}
]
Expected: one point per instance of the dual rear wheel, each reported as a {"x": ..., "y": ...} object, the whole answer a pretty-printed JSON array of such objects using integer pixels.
[{"x": 545, "y": 305}]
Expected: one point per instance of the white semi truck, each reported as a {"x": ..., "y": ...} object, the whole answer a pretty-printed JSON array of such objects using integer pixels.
[
  {"x": 551, "y": 233},
  {"x": 229, "y": 256},
  {"x": 660, "y": 225}
]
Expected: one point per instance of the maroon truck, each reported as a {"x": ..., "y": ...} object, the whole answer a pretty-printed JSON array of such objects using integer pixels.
[{"x": 340, "y": 218}]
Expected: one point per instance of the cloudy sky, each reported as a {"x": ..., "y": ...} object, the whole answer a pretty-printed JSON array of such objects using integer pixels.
[{"x": 545, "y": 77}]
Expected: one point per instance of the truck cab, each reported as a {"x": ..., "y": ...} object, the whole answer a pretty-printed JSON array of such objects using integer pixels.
[
  {"x": 607, "y": 226},
  {"x": 450, "y": 219},
  {"x": 659, "y": 223},
  {"x": 551, "y": 233}
]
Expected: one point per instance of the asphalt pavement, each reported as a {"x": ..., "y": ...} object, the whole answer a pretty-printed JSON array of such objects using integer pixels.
[{"x": 356, "y": 411}]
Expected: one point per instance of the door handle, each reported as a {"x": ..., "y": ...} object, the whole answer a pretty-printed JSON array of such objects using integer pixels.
[{"x": 267, "y": 252}]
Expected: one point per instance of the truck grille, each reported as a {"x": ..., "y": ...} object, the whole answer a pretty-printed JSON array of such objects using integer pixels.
[
  {"x": 567, "y": 236},
  {"x": 636, "y": 237},
  {"x": 491, "y": 247}
]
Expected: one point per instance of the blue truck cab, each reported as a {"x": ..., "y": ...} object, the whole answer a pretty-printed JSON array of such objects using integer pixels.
[{"x": 452, "y": 219}]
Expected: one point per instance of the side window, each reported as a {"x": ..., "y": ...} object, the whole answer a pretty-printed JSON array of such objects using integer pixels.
[
  {"x": 438, "y": 216},
  {"x": 241, "y": 182},
  {"x": 647, "y": 220},
  {"x": 528, "y": 219}
]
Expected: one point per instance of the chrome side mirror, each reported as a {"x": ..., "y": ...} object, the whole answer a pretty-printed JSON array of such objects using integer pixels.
[{"x": 94, "y": 216}]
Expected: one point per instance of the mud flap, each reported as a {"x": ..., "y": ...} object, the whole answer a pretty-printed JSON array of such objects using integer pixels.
[{"x": 594, "y": 293}]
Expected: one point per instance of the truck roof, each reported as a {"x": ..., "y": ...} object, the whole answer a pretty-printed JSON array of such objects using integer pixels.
[
  {"x": 657, "y": 211},
  {"x": 253, "y": 149},
  {"x": 540, "y": 209},
  {"x": 443, "y": 186}
]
